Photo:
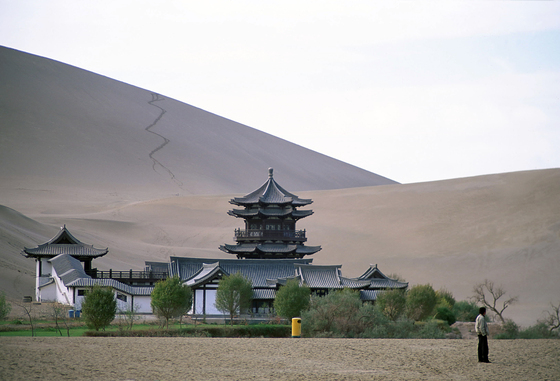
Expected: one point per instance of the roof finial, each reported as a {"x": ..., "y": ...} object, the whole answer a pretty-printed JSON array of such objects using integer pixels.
[{"x": 270, "y": 170}]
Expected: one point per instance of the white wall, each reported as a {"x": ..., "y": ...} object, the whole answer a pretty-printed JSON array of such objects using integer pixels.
[{"x": 210, "y": 300}]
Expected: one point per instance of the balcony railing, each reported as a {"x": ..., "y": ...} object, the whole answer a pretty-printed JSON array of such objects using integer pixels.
[
  {"x": 128, "y": 276},
  {"x": 261, "y": 234}
]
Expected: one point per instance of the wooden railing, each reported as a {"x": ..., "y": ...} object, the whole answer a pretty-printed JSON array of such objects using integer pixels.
[
  {"x": 128, "y": 275},
  {"x": 292, "y": 235}
]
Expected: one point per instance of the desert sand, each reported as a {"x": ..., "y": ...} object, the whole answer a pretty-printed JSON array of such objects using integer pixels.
[
  {"x": 102, "y": 158},
  {"x": 273, "y": 359}
]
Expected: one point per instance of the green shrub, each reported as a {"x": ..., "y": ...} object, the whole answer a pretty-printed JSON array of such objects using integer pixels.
[
  {"x": 433, "y": 329},
  {"x": 445, "y": 298},
  {"x": 444, "y": 313},
  {"x": 465, "y": 311},
  {"x": 5, "y": 307},
  {"x": 510, "y": 330},
  {"x": 269, "y": 330},
  {"x": 391, "y": 303},
  {"x": 420, "y": 302},
  {"x": 337, "y": 313},
  {"x": 538, "y": 331}
]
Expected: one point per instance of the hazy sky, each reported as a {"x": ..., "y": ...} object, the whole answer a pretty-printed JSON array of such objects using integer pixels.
[{"x": 414, "y": 91}]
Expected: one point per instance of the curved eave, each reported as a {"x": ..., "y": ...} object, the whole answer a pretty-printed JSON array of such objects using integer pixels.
[
  {"x": 76, "y": 251},
  {"x": 265, "y": 248},
  {"x": 267, "y": 213},
  {"x": 270, "y": 193}
]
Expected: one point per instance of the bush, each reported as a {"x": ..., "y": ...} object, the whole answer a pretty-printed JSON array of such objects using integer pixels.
[
  {"x": 336, "y": 314},
  {"x": 433, "y": 329},
  {"x": 420, "y": 302},
  {"x": 263, "y": 330},
  {"x": 391, "y": 303},
  {"x": 99, "y": 307},
  {"x": 465, "y": 311},
  {"x": 445, "y": 298},
  {"x": 510, "y": 330},
  {"x": 538, "y": 331},
  {"x": 445, "y": 314}
]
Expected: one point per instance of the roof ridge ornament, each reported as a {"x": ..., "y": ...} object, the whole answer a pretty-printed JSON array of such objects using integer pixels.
[{"x": 270, "y": 172}]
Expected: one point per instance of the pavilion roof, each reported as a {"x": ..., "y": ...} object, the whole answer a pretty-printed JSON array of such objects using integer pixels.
[
  {"x": 270, "y": 193},
  {"x": 64, "y": 243},
  {"x": 269, "y": 248}
]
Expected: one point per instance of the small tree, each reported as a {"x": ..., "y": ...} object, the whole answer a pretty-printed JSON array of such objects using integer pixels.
[
  {"x": 552, "y": 319},
  {"x": 495, "y": 293},
  {"x": 5, "y": 307},
  {"x": 99, "y": 307},
  {"x": 128, "y": 316},
  {"x": 28, "y": 308},
  {"x": 171, "y": 298},
  {"x": 58, "y": 312},
  {"x": 420, "y": 302},
  {"x": 292, "y": 299},
  {"x": 234, "y": 295},
  {"x": 391, "y": 303}
]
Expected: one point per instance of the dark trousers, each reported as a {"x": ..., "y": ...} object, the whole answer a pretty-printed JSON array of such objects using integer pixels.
[{"x": 482, "y": 348}]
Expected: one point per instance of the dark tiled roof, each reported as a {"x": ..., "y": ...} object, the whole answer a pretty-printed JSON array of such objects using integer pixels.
[
  {"x": 369, "y": 295},
  {"x": 386, "y": 283},
  {"x": 320, "y": 276},
  {"x": 271, "y": 193},
  {"x": 248, "y": 248},
  {"x": 263, "y": 293},
  {"x": 257, "y": 270},
  {"x": 378, "y": 280},
  {"x": 64, "y": 243},
  {"x": 131, "y": 290},
  {"x": 68, "y": 268}
]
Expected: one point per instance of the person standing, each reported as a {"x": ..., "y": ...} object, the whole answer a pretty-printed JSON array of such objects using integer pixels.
[{"x": 481, "y": 328}]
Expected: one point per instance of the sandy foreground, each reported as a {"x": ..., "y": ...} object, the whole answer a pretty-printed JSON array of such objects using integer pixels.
[{"x": 273, "y": 359}]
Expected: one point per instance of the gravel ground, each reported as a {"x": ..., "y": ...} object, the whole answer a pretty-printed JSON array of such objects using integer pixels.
[{"x": 96, "y": 358}]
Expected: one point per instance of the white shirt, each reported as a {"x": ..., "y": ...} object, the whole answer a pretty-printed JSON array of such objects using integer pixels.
[{"x": 480, "y": 326}]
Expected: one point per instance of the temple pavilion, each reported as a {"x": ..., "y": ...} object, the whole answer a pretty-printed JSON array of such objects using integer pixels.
[{"x": 270, "y": 215}]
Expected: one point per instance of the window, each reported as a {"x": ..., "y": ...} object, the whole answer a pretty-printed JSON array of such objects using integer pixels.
[
  {"x": 81, "y": 292},
  {"x": 121, "y": 297}
]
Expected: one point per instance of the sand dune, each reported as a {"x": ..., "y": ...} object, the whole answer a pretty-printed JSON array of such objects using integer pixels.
[
  {"x": 65, "y": 128},
  {"x": 103, "y": 158}
]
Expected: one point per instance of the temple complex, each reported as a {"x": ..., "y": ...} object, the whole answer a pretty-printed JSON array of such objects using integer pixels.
[{"x": 269, "y": 250}]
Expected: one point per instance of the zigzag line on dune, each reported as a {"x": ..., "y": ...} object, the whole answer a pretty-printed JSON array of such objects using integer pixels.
[{"x": 155, "y": 162}]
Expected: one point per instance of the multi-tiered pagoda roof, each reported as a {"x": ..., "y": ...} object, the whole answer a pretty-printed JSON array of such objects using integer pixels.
[{"x": 270, "y": 213}]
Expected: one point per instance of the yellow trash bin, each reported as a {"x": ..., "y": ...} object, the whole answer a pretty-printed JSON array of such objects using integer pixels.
[{"x": 296, "y": 327}]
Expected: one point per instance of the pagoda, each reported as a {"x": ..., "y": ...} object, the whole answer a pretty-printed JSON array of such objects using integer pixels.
[
  {"x": 270, "y": 215},
  {"x": 63, "y": 243}
]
